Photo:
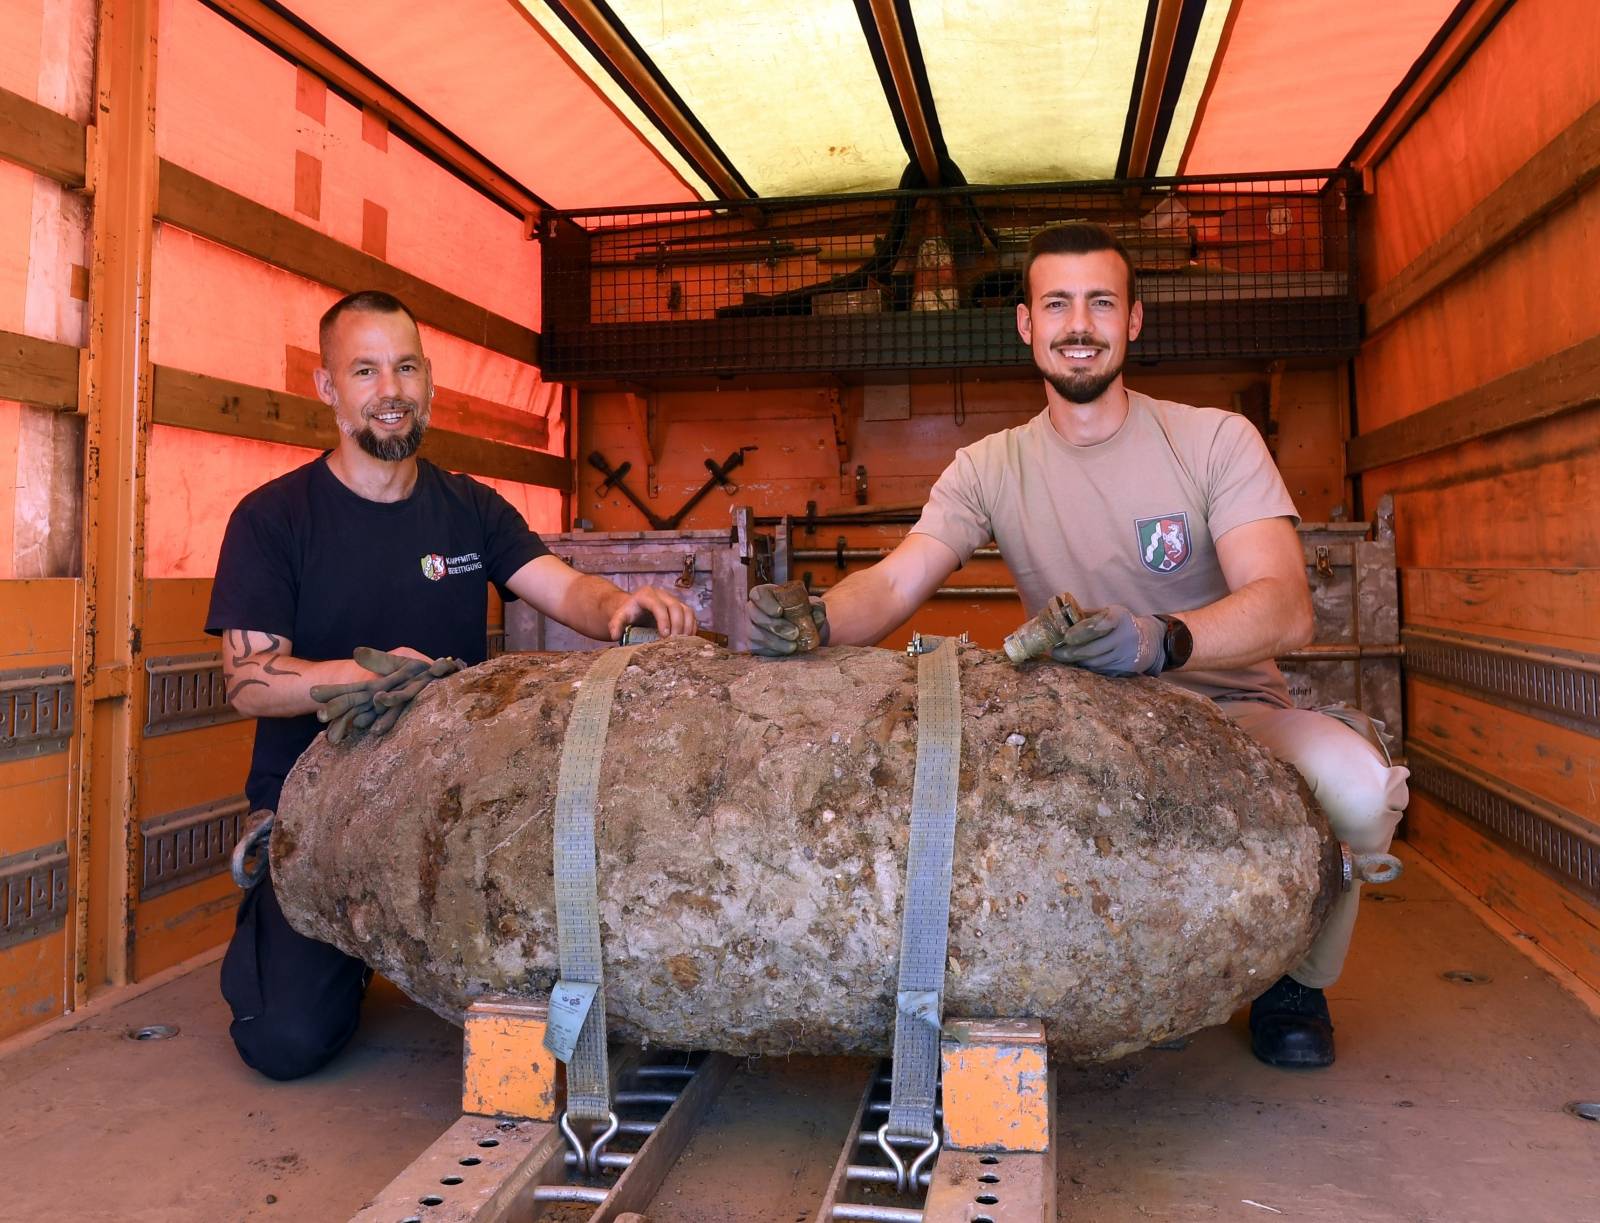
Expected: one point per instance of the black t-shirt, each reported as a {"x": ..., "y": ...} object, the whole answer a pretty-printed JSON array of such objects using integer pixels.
[{"x": 307, "y": 559}]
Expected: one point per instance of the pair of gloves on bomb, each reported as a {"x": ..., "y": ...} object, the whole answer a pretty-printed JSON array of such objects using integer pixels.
[
  {"x": 1110, "y": 641},
  {"x": 375, "y": 705}
]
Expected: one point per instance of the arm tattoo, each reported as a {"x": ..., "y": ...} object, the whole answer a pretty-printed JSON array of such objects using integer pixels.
[
  {"x": 245, "y": 655},
  {"x": 242, "y": 685}
]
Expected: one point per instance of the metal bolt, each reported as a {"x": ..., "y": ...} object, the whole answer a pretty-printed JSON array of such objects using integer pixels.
[{"x": 155, "y": 1031}]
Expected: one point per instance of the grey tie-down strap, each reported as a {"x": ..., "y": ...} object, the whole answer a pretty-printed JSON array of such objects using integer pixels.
[
  {"x": 577, "y": 902},
  {"x": 925, "y": 922}
]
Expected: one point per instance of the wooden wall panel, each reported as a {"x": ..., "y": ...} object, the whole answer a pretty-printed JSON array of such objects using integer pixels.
[
  {"x": 1502, "y": 516},
  {"x": 798, "y": 459},
  {"x": 1564, "y": 924},
  {"x": 1533, "y": 75},
  {"x": 175, "y": 615},
  {"x": 36, "y": 619},
  {"x": 1497, "y": 535},
  {"x": 33, "y": 803},
  {"x": 182, "y": 770},
  {"x": 1553, "y": 762},
  {"x": 36, "y": 628},
  {"x": 804, "y": 454},
  {"x": 32, "y": 982},
  {"x": 1531, "y": 300},
  {"x": 1557, "y": 607},
  {"x": 173, "y": 928}
]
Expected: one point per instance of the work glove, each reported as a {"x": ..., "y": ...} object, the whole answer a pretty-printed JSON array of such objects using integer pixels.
[
  {"x": 1114, "y": 641},
  {"x": 772, "y": 633},
  {"x": 376, "y": 704}
]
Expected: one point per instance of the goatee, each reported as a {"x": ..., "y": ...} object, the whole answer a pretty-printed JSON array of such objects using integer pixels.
[
  {"x": 1081, "y": 387},
  {"x": 392, "y": 449}
]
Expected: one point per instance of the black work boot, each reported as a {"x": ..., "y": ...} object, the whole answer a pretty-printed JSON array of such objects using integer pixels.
[{"x": 1290, "y": 1026}]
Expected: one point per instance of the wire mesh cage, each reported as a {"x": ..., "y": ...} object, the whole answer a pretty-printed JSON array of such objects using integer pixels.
[{"x": 1252, "y": 267}]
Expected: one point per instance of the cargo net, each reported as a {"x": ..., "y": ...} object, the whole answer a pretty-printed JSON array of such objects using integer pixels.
[{"x": 1239, "y": 268}]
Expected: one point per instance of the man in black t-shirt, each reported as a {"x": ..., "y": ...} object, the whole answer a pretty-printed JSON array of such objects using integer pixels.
[{"x": 367, "y": 545}]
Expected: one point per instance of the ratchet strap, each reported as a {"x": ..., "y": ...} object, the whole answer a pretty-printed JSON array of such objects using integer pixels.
[
  {"x": 577, "y": 902},
  {"x": 925, "y": 922}
]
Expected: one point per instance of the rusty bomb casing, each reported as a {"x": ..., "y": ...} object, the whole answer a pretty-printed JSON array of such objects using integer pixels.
[{"x": 1129, "y": 866}]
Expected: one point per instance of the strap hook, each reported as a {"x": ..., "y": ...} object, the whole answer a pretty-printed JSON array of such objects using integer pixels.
[{"x": 589, "y": 1160}]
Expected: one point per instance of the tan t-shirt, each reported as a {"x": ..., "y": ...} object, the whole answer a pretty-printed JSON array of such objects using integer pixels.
[{"x": 1131, "y": 520}]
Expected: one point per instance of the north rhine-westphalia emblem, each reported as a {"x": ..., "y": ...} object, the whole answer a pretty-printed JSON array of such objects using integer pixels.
[
  {"x": 1164, "y": 542},
  {"x": 433, "y": 566}
]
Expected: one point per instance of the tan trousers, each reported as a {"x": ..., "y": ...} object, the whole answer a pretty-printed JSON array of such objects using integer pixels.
[{"x": 1360, "y": 792}]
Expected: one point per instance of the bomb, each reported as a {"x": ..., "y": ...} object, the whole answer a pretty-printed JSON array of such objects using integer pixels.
[{"x": 1129, "y": 867}]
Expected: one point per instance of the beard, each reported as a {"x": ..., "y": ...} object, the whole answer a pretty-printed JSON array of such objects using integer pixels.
[
  {"x": 1080, "y": 386},
  {"x": 393, "y": 449}
]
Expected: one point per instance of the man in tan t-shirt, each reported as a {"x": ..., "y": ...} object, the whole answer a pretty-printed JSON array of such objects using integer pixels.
[{"x": 1174, "y": 523}]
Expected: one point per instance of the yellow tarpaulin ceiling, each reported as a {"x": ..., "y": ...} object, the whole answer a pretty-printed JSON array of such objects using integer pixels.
[{"x": 641, "y": 101}]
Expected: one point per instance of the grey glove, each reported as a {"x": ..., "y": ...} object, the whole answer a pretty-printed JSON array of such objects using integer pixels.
[
  {"x": 1114, "y": 641},
  {"x": 772, "y": 633},
  {"x": 377, "y": 703}
]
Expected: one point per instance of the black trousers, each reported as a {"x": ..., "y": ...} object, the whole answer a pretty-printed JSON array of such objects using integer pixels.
[{"x": 295, "y": 1000}]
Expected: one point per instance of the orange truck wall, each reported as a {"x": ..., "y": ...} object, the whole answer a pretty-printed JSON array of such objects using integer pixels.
[
  {"x": 801, "y": 455},
  {"x": 306, "y": 152},
  {"x": 1497, "y": 536}
]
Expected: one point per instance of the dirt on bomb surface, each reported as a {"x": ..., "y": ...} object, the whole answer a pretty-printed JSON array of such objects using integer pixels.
[{"x": 1129, "y": 866}]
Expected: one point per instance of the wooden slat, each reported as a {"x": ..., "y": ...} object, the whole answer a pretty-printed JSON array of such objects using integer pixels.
[
  {"x": 1562, "y": 382},
  {"x": 1555, "y": 607},
  {"x": 1552, "y": 762},
  {"x": 202, "y": 207},
  {"x": 216, "y": 405},
  {"x": 44, "y": 140},
  {"x": 39, "y": 372},
  {"x": 1566, "y": 925},
  {"x": 1553, "y": 175}
]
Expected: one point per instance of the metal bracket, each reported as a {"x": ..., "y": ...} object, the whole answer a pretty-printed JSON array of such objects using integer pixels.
[
  {"x": 493, "y": 1168},
  {"x": 33, "y": 893},
  {"x": 189, "y": 845},
  {"x": 997, "y": 1113},
  {"x": 36, "y": 708},
  {"x": 184, "y": 692}
]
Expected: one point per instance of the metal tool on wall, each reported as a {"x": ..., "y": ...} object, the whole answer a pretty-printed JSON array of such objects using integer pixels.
[{"x": 615, "y": 478}]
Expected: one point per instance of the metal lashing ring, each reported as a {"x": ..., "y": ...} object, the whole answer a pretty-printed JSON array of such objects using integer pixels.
[
  {"x": 906, "y": 1180},
  {"x": 1368, "y": 868},
  {"x": 589, "y": 1161},
  {"x": 245, "y": 872}
]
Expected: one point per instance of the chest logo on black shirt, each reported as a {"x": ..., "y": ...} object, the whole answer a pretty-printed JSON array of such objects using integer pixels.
[
  {"x": 436, "y": 566},
  {"x": 1164, "y": 542}
]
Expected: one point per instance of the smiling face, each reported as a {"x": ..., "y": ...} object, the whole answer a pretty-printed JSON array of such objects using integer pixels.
[
  {"x": 377, "y": 382},
  {"x": 1079, "y": 322}
]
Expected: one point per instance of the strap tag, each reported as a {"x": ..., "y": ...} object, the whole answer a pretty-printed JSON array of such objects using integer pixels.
[
  {"x": 919, "y": 1005},
  {"x": 569, "y": 1007}
]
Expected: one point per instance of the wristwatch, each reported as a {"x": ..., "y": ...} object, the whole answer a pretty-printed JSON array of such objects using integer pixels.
[{"x": 1177, "y": 642}]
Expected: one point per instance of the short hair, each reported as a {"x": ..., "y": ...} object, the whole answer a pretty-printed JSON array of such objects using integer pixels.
[
  {"x": 1076, "y": 238},
  {"x": 368, "y": 301}
]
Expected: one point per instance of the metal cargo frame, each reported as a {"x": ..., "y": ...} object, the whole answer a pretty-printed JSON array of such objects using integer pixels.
[{"x": 1249, "y": 267}]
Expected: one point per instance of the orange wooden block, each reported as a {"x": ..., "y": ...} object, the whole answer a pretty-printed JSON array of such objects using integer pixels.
[
  {"x": 506, "y": 1070},
  {"x": 996, "y": 1078}
]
